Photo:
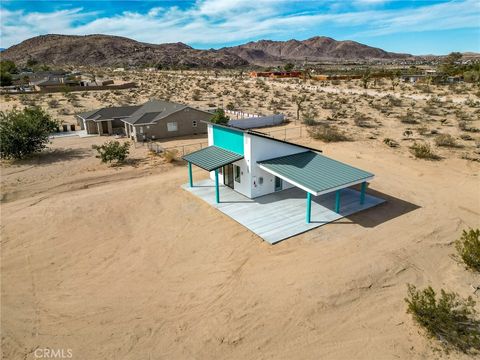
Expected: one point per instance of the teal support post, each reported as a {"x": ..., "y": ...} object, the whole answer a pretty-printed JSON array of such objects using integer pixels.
[
  {"x": 337, "y": 201},
  {"x": 217, "y": 190},
  {"x": 309, "y": 207},
  {"x": 362, "y": 192},
  {"x": 190, "y": 176}
]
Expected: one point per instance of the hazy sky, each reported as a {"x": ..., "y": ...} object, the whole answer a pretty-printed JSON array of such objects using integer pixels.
[{"x": 417, "y": 27}]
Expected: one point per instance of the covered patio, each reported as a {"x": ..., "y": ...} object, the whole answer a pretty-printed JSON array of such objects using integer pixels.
[{"x": 280, "y": 215}]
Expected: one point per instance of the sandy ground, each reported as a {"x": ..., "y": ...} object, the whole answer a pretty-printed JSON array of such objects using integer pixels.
[{"x": 120, "y": 263}]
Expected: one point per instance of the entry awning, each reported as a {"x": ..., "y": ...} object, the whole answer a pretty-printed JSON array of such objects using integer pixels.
[
  {"x": 315, "y": 173},
  {"x": 212, "y": 157}
]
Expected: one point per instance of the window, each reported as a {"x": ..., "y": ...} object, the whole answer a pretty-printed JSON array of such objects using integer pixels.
[
  {"x": 237, "y": 173},
  {"x": 194, "y": 123},
  {"x": 172, "y": 126},
  {"x": 141, "y": 129}
]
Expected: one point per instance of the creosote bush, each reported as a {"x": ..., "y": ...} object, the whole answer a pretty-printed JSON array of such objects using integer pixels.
[
  {"x": 448, "y": 318},
  {"x": 423, "y": 151},
  {"x": 112, "y": 151},
  {"x": 25, "y": 132},
  {"x": 327, "y": 133},
  {"x": 468, "y": 248}
]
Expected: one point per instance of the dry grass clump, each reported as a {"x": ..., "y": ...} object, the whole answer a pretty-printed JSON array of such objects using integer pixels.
[
  {"x": 446, "y": 140},
  {"x": 328, "y": 133},
  {"x": 408, "y": 118},
  {"x": 423, "y": 151},
  {"x": 170, "y": 155}
]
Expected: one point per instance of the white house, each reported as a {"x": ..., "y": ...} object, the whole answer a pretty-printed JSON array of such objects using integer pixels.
[{"x": 255, "y": 164}]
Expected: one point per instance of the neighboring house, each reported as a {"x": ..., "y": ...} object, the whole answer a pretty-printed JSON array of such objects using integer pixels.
[
  {"x": 156, "y": 119},
  {"x": 255, "y": 165}
]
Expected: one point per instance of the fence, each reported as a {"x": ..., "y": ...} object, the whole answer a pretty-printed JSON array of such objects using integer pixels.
[
  {"x": 256, "y": 122},
  {"x": 287, "y": 133},
  {"x": 180, "y": 149}
]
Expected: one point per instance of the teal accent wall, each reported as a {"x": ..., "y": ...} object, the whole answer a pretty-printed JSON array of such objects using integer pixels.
[{"x": 228, "y": 139}]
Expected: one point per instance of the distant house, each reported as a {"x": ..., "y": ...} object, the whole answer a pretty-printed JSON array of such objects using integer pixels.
[
  {"x": 156, "y": 119},
  {"x": 276, "y": 74}
]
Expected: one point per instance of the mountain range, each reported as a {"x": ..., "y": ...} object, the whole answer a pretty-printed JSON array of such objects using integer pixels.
[{"x": 107, "y": 50}]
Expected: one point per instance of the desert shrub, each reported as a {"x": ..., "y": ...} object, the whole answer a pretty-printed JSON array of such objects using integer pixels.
[
  {"x": 170, "y": 155},
  {"x": 463, "y": 125},
  {"x": 408, "y": 118},
  {"x": 219, "y": 117},
  {"x": 468, "y": 248},
  {"x": 112, "y": 151},
  {"x": 446, "y": 140},
  {"x": 390, "y": 142},
  {"x": 308, "y": 116},
  {"x": 362, "y": 120},
  {"x": 423, "y": 151},
  {"x": 24, "y": 132},
  {"x": 53, "y": 104},
  {"x": 327, "y": 133},
  {"x": 448, "y": 318}
]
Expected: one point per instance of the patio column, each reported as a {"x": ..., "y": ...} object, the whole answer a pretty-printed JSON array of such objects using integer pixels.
[
  {"x": 363, "y": 188},
  {"x": 190, "y": 177},
  {"x": 309, "y": 207},
  {"x": 337, "y": 201},
  {"x": 217, "y": 191}
]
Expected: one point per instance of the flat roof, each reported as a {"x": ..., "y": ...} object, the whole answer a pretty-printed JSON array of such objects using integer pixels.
[
  {"x": 314, "y": 173},
  {"x": 212, "y": 157}
]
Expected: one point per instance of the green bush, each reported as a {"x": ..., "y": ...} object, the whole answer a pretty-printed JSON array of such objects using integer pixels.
[
  {"x": 423, "y": 151},
  {"x": 112, "y": 151},
  {"x": 327, "y": 133},
  {"x": 468, "y": 248},
  {"x": 219, "y": 117},
  {"x": 25, "y": 132},
  {"x": 448, "y": 318}
]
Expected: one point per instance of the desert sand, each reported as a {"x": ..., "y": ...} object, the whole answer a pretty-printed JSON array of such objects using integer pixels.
[
  {"x": 118, "y": 262},
  {"x": 121, "y": 263}
]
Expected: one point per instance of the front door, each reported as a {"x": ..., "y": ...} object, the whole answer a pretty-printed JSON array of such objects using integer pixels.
[
  {"x": 278, "y": 184},
  {"x": 104, "y": 127},
  {"x": 228, "y": 175}
]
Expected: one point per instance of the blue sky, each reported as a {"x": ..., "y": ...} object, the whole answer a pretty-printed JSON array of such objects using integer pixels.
[{"x": 416, "y": 27}]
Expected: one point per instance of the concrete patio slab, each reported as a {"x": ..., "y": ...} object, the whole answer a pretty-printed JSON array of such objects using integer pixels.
[{"x": 278, "y": 216}]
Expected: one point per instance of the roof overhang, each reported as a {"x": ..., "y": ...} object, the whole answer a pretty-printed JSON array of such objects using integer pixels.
[
  {"x": 315, "y": 173},
  {"x": 212, "y": 157}
]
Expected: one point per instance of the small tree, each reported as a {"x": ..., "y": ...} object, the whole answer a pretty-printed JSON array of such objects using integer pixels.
[
  {"x": 468, "y": 248},
  {"x": 299, "y": 100},
  {"x": 5, "y": 78},
  {"x": 220, "y": 118},
  {"x": 367, "y": 75},
  {"x": 25, "y": 132},
  {"x": 289, "y": 67},
  {"x": 112, "y": 151},
  {"x": 449, "y": 318}
]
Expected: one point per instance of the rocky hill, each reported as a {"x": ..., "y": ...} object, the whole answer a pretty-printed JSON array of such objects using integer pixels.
[
  {"x": 106, "y": 50},
  {"x": 318, "y": 48}
]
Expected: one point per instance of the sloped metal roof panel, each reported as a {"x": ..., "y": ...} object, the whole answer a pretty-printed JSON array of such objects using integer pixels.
[
  {"x": 212, "y": 157},
  {"x": 314, "y": 172}
]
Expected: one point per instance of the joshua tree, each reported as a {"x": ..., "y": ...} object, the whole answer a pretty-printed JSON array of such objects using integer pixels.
[
  {"x": 299, "y": 100},
  {"x": 366, "y": 78}
]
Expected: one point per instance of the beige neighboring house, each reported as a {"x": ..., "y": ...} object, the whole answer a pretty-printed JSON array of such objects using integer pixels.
[{"x": 156, "y": 119}]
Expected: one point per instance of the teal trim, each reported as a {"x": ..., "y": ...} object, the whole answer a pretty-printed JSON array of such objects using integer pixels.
[
  {"x": 217, "y": 190},
  {"x": 228, "y": 139},
  {"x": 309, "y": 207},
  {"x": 190, "y": 176},
  {"x": 337, "y": 201},
  {"x": 363, "y": 188}
]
